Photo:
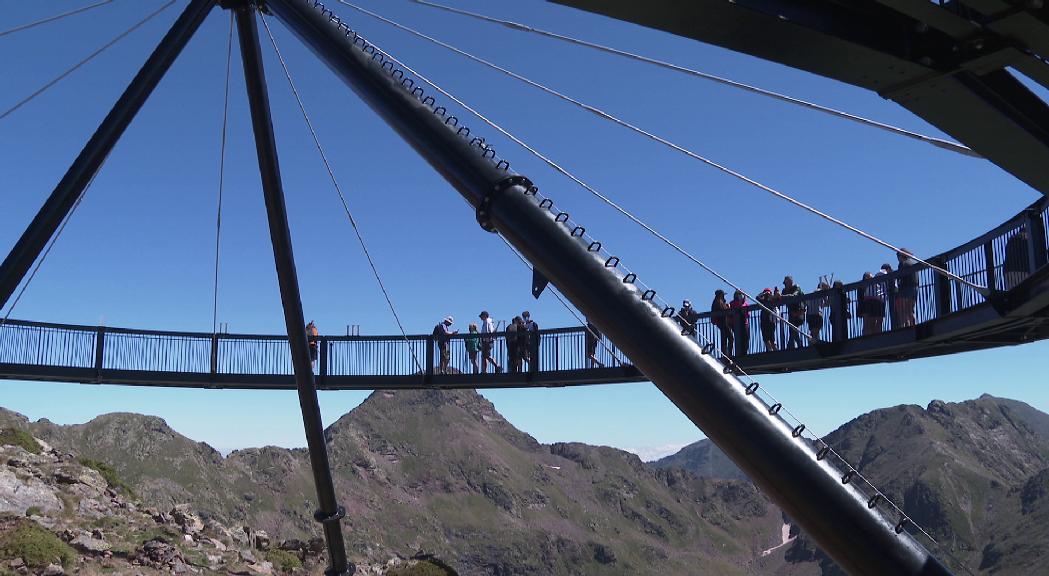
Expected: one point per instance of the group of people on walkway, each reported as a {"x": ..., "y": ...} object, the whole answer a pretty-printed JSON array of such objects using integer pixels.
[
  {"x": 521, "y": 338},
  {"x": 808, "y": 314}
]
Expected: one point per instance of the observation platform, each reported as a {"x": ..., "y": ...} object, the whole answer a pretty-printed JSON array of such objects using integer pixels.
[{"x": 951, "y": 317}]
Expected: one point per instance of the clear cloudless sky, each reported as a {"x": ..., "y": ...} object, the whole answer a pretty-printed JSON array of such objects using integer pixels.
[{"x": 139, "y": 250}]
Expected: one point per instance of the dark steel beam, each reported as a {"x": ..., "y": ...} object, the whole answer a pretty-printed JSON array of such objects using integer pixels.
[
  {"x": 76, "y": 179},
  {"x": 786, "y": 467},
  {"x": 330, "y": 513},
  {"x": 922, "y": 60}
]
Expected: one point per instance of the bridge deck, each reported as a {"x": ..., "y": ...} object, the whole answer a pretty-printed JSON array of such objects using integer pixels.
[{"x": 950, "y": 318}]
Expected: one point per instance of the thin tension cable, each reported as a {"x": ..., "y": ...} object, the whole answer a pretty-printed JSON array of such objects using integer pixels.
[
  {"x": 222, "y": 179},
  {"x": 342, "y": 198},
  {"x": 53, "y": 18},
  {"x": 89, "y": 58},
  {"x": 602, "y": 114},
  {"x": 938, "y": 142},
  {"x": 50, "y": 245},
  {"x": 799, "y": 329}
]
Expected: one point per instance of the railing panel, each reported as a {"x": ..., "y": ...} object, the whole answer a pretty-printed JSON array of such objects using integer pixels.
[
  {"x": 47, "y": 346},
  {"x": 376, "y": 357},
  {"x": 156, "y": 352},
  {"x": 254, "y": 356}
]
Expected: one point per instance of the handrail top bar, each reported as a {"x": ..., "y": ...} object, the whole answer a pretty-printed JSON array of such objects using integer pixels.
[{"x": 273, "y": 337}]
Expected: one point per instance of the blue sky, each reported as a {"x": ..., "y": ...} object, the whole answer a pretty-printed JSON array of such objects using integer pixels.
[{"x": 138, "y": 252}]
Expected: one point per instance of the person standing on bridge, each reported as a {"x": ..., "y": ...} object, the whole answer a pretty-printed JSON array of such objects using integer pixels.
[
  {"x": 795, "y": 311},
  {"x": 906, "y": 289},
  {"x": 514, "y": 335},
  {"x": 872, "y": 304},
  {"x": 687, "y": 317},
  {"x": 740, "y": 320},
  {"x": 593, "y": 336},
  {"x": 442, "y": 334},
  {"x": 1017, "y": 259},
  {"x": 311, "y": 338},
  {"x": 531, "y": 341},
  {"x": 472, "y": 346},
  {"x": 719, "y": 317},
  {"x": 487, "y": 343},
  {"x": 767, "y": 320}
]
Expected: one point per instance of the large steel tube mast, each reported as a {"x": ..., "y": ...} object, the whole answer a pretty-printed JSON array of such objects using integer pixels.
[
  {"x": 329, "y": 513},
  {"x": 786, "y": 467}
]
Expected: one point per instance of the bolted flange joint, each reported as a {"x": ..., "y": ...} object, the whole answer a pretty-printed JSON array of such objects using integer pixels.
[{"x": 484, "y": 216}]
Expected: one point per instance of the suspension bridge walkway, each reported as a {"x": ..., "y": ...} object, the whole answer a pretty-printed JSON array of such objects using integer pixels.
[{"x": 950, "y": 317}]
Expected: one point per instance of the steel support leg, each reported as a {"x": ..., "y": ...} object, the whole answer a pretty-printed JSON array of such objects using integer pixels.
[
  {"x": 72, "y": 185},
  {"x": 808, "y": 488},
  {"x": 330, "y": 513}
]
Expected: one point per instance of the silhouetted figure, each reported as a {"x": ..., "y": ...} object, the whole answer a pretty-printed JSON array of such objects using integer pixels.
[
  {"x": 740, "y": 319},
  {"x": 531, "y": 341},
  {"x": 312, "y": 337},
  {"x": 844, "y": 310},
  {"x": 488, "y": 343},
  {"x": 687, "y": 317},
  {"x": 473, "y": 346},
  {"x": 906, "y": 290},
  {"x": 889, "y": 293},
  {"x": 593, "y": 336},
  {"x": 514, "y": 350},
  {"x": 872, "y": 305},
  {"x": 1017, "y": 259},
  {"x": 795, "y": 311},
  {"x": 767, "y": 320},
  {"x": 814, "y": 311},
  {"x": 442, "y": 335},
  {"x": 719, "y": 317}
]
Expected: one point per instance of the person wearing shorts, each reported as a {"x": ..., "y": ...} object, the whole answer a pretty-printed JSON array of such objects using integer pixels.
[{"x": 487, "y": 342}]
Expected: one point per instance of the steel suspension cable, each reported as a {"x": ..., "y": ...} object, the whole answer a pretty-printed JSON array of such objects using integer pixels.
[
  {"x": 54, "y": 18},
  {"x": 222, "y": 179},
  {"x": 47, "y": 85},
  {"x": 938, "y": 142},
  {"x": 342, "y": 199},
  {"x": 605, "y": 115},
  {"x": 565, "y": 172}
]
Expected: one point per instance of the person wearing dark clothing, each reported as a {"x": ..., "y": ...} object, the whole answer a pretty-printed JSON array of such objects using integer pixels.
[
  {"x": 442, "y": 335},
  {"x": 719, "y": 317},
  {"x": 514, "y": 335},
  {"x": 740, "y": 319},
  {"x": 687, "y": 317},
  {"x": 312, "y": 335},
  {"x": 767, "y": 320},
  {"x": 872, "y": 305},
  {"x": 531, "y": 341},
  {"x": 906, "y": 289},
  {"x": 839, "y": 289},
  {"x": 1017, "y": 263},
  {"x": 795, "y": 311},
  {"x": 814, "y": 311},
  {"x": 593, "y": 336}
]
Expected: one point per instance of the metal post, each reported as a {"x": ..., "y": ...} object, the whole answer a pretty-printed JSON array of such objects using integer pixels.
[
  {"x": 988, "y": 257},
  {"x": 76, "y": 179},
  {"x": 1036, "y": 237},
  {"x": 428, "y": 377},
  {"x": 100, "y": 350},
  {"x": 839, "y": 322},
  {"x": 330, "y": 513},
  {"x": 809, "y": 489}
]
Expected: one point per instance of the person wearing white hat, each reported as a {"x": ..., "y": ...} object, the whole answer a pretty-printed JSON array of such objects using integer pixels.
[{"x": 442, "y": 335}]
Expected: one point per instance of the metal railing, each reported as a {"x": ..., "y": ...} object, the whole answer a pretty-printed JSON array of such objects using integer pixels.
[
  {"x": 1000, "y": 259},
  {"x": 121, "y": 349}
]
